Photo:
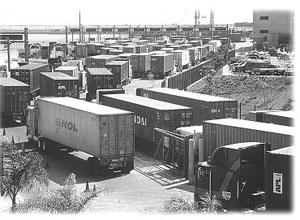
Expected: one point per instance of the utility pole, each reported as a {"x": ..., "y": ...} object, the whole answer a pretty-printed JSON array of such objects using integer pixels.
[
  {"x": 26, "y": 44},
  {"x": 66, "y": 35},
  {"x": 8, "y": 53}
]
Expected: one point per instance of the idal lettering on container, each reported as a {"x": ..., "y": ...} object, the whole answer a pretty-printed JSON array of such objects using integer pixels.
[{"x": 140, "y": 120}]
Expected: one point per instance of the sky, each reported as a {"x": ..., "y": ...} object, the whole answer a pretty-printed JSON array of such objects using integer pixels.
[{"x": 130, "y": 12}]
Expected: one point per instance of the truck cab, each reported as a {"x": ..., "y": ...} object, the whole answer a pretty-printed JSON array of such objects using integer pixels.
[{"x": 233, "y": 173}]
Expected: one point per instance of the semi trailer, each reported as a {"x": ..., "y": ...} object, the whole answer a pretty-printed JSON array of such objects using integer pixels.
[{"x": 105, "y": 133}]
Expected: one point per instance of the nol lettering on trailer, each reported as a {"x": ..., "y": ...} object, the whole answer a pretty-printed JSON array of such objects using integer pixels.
[{"x": 66, "y": 124}]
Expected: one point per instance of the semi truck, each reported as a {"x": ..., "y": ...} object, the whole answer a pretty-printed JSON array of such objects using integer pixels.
[
  {"x": 106, "y": 134},
  {"x": 235, "y": 174}
]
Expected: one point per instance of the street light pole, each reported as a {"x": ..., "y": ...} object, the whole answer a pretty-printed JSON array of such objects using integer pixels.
[{"x": 8, "y": 54}]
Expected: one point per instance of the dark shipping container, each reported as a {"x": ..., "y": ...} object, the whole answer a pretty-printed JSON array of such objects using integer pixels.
[
  {"x": 59, "y": 84},
  {"x": 30, "y": 74},
  {"x": 129, "y": 49},
  {"x": 101, "y": 92},
  {"x": 141, "y": 64},
  {"x": 81, "y": 50},
  {"x": 205, "y": 107},
  {"x": 226, "y": 131},
  {"x": 141, "y": 49},
  {"x": 14, "y": 99},
  {"x": 150, "y": 113},
  {"x": 120, "y": 70},
  {"x": 69, "y": 70},
  {"x": 45, "y": 52},
  {"x": 280, "y": 117},
  {"x": 99, "y": 61},
  {"x": 279, "y": 179},
  {"x": 98, "y": 78},
  {"x": 162, "y": 64}
]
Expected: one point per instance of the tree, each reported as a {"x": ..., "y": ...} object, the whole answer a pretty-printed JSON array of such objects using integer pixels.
[{"x": 21, "y": 172}]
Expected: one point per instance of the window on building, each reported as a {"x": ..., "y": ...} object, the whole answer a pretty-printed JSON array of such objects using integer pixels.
[
  {"x": 264, "y": 31},
  {"x": 264, "y": 17}
]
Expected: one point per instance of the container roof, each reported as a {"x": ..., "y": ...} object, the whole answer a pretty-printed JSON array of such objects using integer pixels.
[
  {"x": 99, "y": 71},
  {"x": 253, "y": 125},
  {"x": 117, "y": 62},
  {"x": 286, "y": 114},
  {"x": 66, "y": 68},
  {"x": 85, "y": 106},
  {"x": 30, "y": 66},
  {"x": 151, "y": 103},
  {"x": 190, "y": 95},
  {"x": 284, "y": 151},
  {"x": 4, "y": 81},
  {"x": 19, "y": 134},
  {"x": 58, "y": 76},
  {"x": 103, "y": 57},
  {"x": 242, "y": 145},
  {"x": 190, "y": 130}
]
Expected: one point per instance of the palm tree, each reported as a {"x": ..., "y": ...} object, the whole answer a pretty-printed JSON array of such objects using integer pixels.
[
  {"x": 209, "y": 204},
  {"x": 20, "y": 171}
]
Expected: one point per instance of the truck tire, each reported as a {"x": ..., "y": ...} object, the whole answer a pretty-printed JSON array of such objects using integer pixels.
[{"x": 128, "y": 168}]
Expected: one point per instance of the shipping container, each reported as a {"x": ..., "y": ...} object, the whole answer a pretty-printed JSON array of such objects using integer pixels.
[
  {"x": 45, "y": 51},
  {"x": 105, "y": 50},
  {"x": 141, "y": 49},
  {"x": 142, "y": 42},
  {"x": 69, "y": 70},
  {"x": 226, "y": 131},
  {"x": 59, "y": 84},
  {"x": 91, "y": 48},
  {"x": 14, "y": 98},
  {"x": 196, "y": 43},
  {"x": 157, "y": 47},
  {"x": 181, "y": 58},
  {"x": 215, "y": 43},
  {"x": 280, "y": 117},
  {"x": 120, "y": 70},
  {"x": 30, "y": 75},
  {"x": 105, "y": 133},
  {"x": 167, "y": 49},
  {"x": 186, "y": 46},
  {"x": 101, "y": 92},
  {"x": 99, "y": 61},
  {"x": 150, "y": 47},
  {"x": 194, "y": 55},
  {"x": 141, "y": 64},
  {"x": 115, "y": 52},
  {"x": 109, "y": 43},
  {"x": 162, "y": 65},
  {"x": 205, "y": 107},
  {"x": 150, "y": 113},
  {"x": 203, "y": 51},
  {"x": 78, "y": 63},
  {"x": 280, "y": 179},
  {"x": 205, "y": 40},
  {"x": 129, "y": 49},
  {"x": 81, "y": 50},
  {"x": 98, "y": 78},
  {"x": 117, "y": 47}
]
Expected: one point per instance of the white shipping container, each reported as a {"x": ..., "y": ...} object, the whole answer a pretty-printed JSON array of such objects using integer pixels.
[
  {"x": 101, "y": 131},
  {"x": 181, "y": 57}
]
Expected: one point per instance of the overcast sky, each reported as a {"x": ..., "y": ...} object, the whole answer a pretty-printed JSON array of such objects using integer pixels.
[{"x": 118, "y": 12}]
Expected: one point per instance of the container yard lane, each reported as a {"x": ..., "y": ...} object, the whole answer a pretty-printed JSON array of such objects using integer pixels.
[{"x": 144, "y": 189}]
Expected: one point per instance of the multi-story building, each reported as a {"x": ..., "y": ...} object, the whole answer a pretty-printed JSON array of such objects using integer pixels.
[{"x": 274, "y": 27}]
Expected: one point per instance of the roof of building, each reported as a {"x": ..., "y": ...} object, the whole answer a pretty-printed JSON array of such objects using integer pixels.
[
  {"x": 58, "y": 76},
  {"x": 99, "y": 71},
  {"x": 5, "y": 81}
]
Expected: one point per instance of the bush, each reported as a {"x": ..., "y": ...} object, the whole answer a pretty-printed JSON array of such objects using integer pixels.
[{"x": 63, "y": 200}]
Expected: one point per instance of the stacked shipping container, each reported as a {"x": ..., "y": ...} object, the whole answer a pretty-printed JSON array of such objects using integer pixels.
[
  {"x": 205, "y": 107},
  {"x": 59, "y": 85},
  {"x": 150, "y": 114}
]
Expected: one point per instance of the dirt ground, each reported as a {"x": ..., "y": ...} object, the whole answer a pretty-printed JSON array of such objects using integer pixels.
[{"x": 262, "y": 92}]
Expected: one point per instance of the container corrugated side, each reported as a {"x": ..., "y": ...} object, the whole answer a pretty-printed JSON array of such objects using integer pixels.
[
  {"x": 205, "y": 107},
  {"x": 280, "y": 118},
  {"x": 150, "y": 115},
  {"x": 222, "y": 132},
  {"x": 279, "y": 181},
  {"x": 104, "y": 135}
]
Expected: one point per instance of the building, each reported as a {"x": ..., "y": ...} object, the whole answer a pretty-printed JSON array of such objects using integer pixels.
[{"x": 274, "y": 27}]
